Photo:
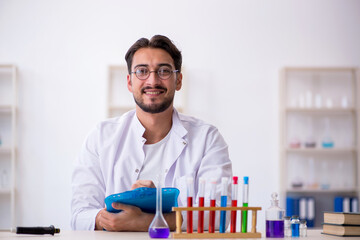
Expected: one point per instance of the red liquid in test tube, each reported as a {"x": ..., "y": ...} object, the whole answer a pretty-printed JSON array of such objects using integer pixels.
[
  {"x": 234, "y": 194},
  {"x": 201, "y": 216},
  {"x": 201, "y": 204},
  {"x": 190, "y": 194},
  {"x": 212, "y": 217},
  {"x": 212, "y": 204},
  {"x": 189, "y": 216}
]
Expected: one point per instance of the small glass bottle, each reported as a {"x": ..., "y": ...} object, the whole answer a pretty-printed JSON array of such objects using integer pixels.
[
  {"x": 287, "y": 226},
  {"x": 274, "y": 219},
  {"x": 303, "y": 228},
  {"x": 295, "y": 226}
]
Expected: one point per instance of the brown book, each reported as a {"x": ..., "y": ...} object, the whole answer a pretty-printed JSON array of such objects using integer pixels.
[
  {"x": 342, "y": 218},
  {"x": 341, "y": 230}
]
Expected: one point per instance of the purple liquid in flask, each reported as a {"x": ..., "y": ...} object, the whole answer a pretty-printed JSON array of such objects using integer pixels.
[
  {"x": 275, "y": 229},
  {"x": 159, "y": 227}
]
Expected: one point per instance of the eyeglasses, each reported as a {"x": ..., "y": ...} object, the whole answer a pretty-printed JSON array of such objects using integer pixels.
[{"x": 164, "y": 72}]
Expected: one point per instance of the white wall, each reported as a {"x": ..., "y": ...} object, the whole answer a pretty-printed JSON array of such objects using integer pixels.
[{"x": 233, "y": 51}]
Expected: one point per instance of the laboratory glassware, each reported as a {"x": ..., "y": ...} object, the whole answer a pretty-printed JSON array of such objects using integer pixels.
[
  {"x": 274, "y": 219},
  {"x": 234, "y": 193},
  {"x": 201, "y": 204},
  {"x": 303, "y": 228},
  {"x": 212, "y": 204},
  {"x": 159, "y": 227},
  {"x": 245, "y": 204},
  {"x": 190, "y": 195},
  {"x": 295, "y": 226}
]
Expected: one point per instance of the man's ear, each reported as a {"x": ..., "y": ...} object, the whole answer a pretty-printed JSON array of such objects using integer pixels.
[
  {"x": 129, "y": 83},
  {"x": 179, "y": 81}
]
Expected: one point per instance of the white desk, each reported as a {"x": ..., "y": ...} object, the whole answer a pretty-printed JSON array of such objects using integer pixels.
[{"x": 102, "y": 235}]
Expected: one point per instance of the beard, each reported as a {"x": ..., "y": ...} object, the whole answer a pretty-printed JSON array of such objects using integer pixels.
[{"x": 154, "y": 107}]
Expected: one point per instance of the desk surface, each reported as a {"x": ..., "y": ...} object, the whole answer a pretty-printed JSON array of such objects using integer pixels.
[{"x": 102, "y": 235}]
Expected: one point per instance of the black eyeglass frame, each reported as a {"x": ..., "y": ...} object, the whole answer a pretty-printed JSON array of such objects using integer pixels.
[{"x": 157, "y": 72}]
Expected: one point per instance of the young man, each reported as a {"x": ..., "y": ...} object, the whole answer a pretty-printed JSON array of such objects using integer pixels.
[{"x": 128, "y": 152}]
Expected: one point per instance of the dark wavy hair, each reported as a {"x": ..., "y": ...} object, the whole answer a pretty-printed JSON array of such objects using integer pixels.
[{"x": 157, "y": 41}]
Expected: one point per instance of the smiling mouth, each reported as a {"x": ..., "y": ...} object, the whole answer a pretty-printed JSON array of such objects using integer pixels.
[{"x": 153, "y": 91}]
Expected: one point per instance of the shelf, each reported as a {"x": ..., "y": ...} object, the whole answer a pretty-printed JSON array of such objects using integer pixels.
[
  {"x": 316, "y": 102},
  {"x": 5, "y": 150},
  {"x": 321, "y": 150},
  {"x": 5, "y": 191},
  {"x": 317, "y": 190},
  {"x": 5, "y": 108}
]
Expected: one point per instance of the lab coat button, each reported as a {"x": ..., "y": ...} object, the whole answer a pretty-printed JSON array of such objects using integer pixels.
[
  {"x": 184, "y": 142},
  {"x": 137, "y": 170}
]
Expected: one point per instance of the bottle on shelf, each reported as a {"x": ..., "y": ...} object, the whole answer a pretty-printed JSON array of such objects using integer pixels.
[
  {"x": 344, "y": 102},
  {"x": 318, "y": 101},
  {"x": 312, "y": 183},
  {"x": 325, "y": 183},
  {"x": 295, "y": 174},
  {"x": 327, "y": 141},
  {"x": 274, "y": 219},
  {"x": 310, "y": 140},
  {"x": 295, "y": 142},
  {"x": 4, "y": 179}
]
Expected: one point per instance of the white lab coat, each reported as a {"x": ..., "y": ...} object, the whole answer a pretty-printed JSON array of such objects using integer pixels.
[{"x": 112, "y": 156}]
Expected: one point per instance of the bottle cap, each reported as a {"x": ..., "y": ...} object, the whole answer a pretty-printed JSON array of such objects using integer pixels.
[
  {"x": 235, "y": 180},
  {"x": 246, "y": 180}
]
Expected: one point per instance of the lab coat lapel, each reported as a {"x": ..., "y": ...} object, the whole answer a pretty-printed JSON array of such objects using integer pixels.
[
  {"x": 137, "y": 148},
  {"x": 177, "y": 141}
]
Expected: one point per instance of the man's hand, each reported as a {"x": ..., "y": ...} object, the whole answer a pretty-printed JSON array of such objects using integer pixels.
[
  {"x": 143, "y": 183},
  {"x": 131, "y": 218}
]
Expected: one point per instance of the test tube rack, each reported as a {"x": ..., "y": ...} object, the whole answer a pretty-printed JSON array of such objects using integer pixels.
[{"x": 183, "y": 235}]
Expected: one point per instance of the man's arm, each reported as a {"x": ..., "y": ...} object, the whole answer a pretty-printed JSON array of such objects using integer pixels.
[{"x": 130, "y": 219}]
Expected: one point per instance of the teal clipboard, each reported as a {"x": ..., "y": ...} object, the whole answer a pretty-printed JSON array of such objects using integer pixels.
[{"x": 145, "y": 199}]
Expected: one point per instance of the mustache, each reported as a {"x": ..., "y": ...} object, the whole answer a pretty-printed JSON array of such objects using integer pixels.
[{"x": 155, "y": 87}]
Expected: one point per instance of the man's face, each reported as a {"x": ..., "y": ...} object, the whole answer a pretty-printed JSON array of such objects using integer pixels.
[{"x": 153, "y": 95}]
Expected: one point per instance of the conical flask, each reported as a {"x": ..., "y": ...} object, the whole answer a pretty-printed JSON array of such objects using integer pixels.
[{"x": 159, "y": 227}]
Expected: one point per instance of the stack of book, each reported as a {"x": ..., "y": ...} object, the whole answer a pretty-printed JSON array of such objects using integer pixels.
[{"x": 341, "y": 224}]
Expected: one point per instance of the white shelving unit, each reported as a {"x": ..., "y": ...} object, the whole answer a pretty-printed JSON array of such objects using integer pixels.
[
  {"x": 120, "y": 100},
  {"x": 8, "y": 133},
  {"x": 319, "y": 134}
]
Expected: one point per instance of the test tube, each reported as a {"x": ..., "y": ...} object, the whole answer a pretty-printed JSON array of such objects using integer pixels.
[
  {"x": 201, "y": 204},
  {"x": 224, "y": 187},
  {"x": 234, "y": 193},
  {"x": 245, "y": 204},
  {"x": 190, "y": 194},
  {"x": 212, "y": 204}
]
